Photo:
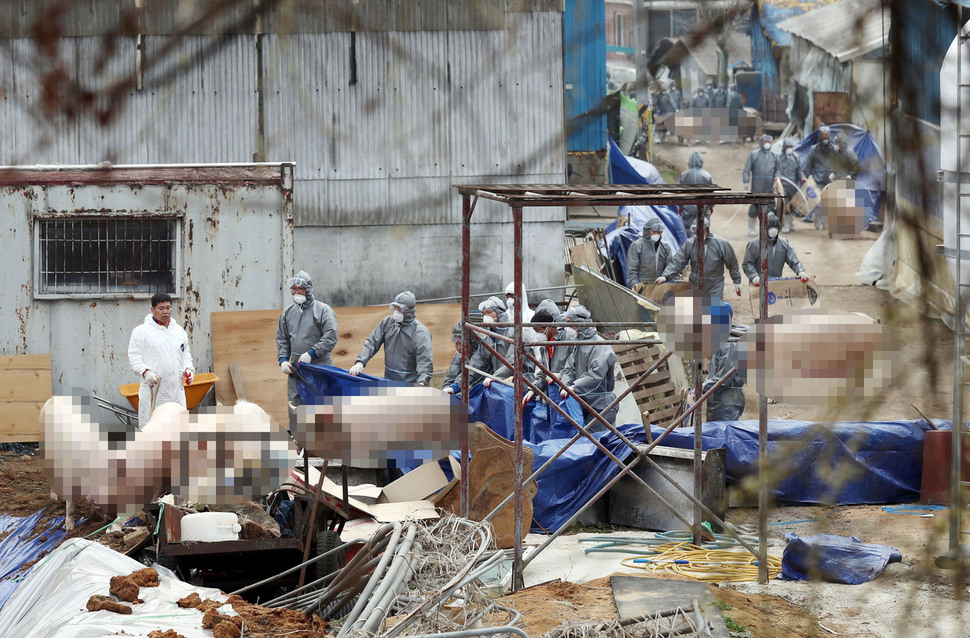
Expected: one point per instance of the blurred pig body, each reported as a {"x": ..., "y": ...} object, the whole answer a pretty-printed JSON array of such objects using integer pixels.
[
  {"x": 361, "y": 429},
  {"x": 235, "y": 450}
]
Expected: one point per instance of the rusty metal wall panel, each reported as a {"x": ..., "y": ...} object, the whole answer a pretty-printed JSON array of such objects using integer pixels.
[
  {"x": 360, "y": 95},
  {"x": 208, "y": 113},
  {"x": 299, "y": 114},
  {"x": 417, "y": 81},
  {"x": 535, "y": 80},
  {"x": 480, "y": 137},
  {"x": 234, "y": 245}
]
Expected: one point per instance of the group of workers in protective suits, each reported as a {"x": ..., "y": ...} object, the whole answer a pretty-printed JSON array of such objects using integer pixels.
[{"x": 587, "y": 368}]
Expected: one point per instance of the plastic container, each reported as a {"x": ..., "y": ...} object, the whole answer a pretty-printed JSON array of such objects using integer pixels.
[{"x": 210, "y": 527}]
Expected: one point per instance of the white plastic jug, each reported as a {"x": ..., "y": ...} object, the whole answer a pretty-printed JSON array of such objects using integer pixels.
[{"x": 209, "y": 527}]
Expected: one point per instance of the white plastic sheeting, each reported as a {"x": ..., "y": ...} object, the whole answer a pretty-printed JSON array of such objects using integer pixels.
[{"x": 50, "y": 603}]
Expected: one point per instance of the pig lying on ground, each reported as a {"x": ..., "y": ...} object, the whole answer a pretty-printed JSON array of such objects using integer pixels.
[{"x": 225, "y": 455}]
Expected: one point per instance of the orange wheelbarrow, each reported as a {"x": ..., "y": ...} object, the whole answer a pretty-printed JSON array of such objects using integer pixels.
[{"x": 194, "y": 392}]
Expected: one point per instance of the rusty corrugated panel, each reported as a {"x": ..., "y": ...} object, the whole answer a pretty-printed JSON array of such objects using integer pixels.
[
  {"x": 299, "y": 122},
  {"x": 417, "y": 81},
  {"x": 361, "y": 104},
  {"x": 208, "y": 114}
]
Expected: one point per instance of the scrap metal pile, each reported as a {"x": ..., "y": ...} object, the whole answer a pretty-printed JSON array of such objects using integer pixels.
[{"x": 409, "y": 579}]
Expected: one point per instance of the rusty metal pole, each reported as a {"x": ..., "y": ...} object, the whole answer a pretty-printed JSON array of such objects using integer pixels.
[
  {"x": 702, "y": 212},
  {"x": 466, "y": 256},
  {"x": 518, "y": 582},
  {"x": 763, "y": 409}
]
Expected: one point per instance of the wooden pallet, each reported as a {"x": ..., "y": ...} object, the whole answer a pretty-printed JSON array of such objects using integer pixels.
[{"x": 660, "y": 402}]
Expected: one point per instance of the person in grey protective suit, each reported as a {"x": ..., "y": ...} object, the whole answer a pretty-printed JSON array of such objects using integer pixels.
[
  {"x": 306, "y": 333},
  {"x": 718, "y": 255},
  {"x": 821, "y": 159},
  {"x": 647, "y": 256},
  {"x": 780, "y": 252},
  {"x": 789, "y": 168},
  {"x": 454, "y": 368},
  {"x": 846, "y": 162},
  {"x": 408, "y": 355},
  {"x": 695, "y": 174},
  {"x": 760, "y": 170},
  {"x": 589, "y": 369},
  {"x": 727, "y": 402},
  {"x": 493, "y": 310},
  {"x": 553, "y": 357}
]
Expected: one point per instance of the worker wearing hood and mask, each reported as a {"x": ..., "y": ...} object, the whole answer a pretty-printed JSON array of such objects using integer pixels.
[
  {"x": 306, "y": 333},
  {"x": 647, "y": 257},
  {"x": 694, "y": 175},
  {"x": 780, "y": 252},
  {"x": 589, "y": 369},
  {"x": 408, "y": 355},
  {"x": 493, "y": 311}
]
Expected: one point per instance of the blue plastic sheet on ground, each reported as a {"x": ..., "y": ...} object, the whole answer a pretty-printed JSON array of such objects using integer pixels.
[
  {"x": 834, "y": 559},
  {"x": 24, "y": 544},
  {"x": 874, "y": 462}
]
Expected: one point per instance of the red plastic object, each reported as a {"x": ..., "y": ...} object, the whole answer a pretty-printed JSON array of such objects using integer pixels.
[{"x": 935, "y": 486}]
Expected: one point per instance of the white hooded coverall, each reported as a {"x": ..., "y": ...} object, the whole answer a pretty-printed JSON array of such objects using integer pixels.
[{"x": 164, "y": 351}]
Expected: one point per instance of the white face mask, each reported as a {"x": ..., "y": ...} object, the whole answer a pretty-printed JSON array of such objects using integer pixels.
[
  {"x": 772, "y": 232},
  {"x": 487, "y": 319},
  {"x": 299, "y": 300},
  {"x": 789, "y": 151},
  {"x": 509, "y": 302},
  {"x": 766, "y": 146},
  {"x": 656, "y": 238},
  {"x": 571, "y": 334},
  {"x": 398, "y": 316}
]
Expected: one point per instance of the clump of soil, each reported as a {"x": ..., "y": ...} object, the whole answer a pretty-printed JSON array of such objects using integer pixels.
[
  {"x": 146, "y": 577},
  {"x": 97, "y": 603},
  {"x": 168, "y": 633},
  {"x": 125, "y": 589},
  {"x": 255, "y": 619},
  {"x": 226, "y": 629}
]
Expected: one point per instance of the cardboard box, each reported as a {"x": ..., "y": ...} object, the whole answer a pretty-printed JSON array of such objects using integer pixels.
[
  {"x": 400, "y": 499},
  {"x": 785, "y": 294},
  {"x": 811, "y": 201}
]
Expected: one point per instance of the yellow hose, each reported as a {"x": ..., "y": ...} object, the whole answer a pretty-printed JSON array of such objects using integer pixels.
[{"x": 707, "y": 565}]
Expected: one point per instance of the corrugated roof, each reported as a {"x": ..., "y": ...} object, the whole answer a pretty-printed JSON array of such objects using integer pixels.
[
  {"x": 773, "y": 12},
  {"x": 846, "y": 29},
  {"x": 705, "y": 51}
]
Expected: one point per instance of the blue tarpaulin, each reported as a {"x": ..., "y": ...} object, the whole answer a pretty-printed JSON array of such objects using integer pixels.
[
  {"x": 834, "y": 559},
  {"x": 24, "y": 543},
  {"x": 630, "y": 170},
  {"x": 833, "y": 463},
  {"x": 330, "y": 381},
  {"x": 574, "y": 477},
  {"x": 871, "y": 178}
]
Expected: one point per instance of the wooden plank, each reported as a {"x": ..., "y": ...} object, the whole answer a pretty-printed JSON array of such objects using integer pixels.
[
  {"x": 237, "y": 383},
  {"x": 25, "y": 385},
  {"x": 586, "y": 254},
  {"x": 248, "y": 339},
  {"x": 20, "y": 422}
]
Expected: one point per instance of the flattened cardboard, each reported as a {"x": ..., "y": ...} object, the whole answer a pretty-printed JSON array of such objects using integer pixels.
[
  {"x": 659, "y": 293},
  {"x": 785, "y": 294}
]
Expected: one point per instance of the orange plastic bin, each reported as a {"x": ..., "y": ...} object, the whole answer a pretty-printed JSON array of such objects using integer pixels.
[{"x": 201, "y": 383}]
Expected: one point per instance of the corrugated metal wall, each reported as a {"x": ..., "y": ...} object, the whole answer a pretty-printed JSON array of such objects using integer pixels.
[{"x": 380, "y": 124}]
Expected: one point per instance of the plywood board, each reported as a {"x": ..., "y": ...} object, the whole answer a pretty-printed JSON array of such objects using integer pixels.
[
  {"x": 607, "y": 300},
  {"x": 586, "y": 254},
  {"x": 248, "y": 339},
  {"x": 25, "y": 384}
]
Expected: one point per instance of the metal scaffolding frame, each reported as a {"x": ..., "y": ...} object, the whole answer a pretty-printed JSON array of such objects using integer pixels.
[{"x": 519, "y": 196}]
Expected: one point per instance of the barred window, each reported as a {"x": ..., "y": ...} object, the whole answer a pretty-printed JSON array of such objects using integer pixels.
[{"x": 106, "y": 256}]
